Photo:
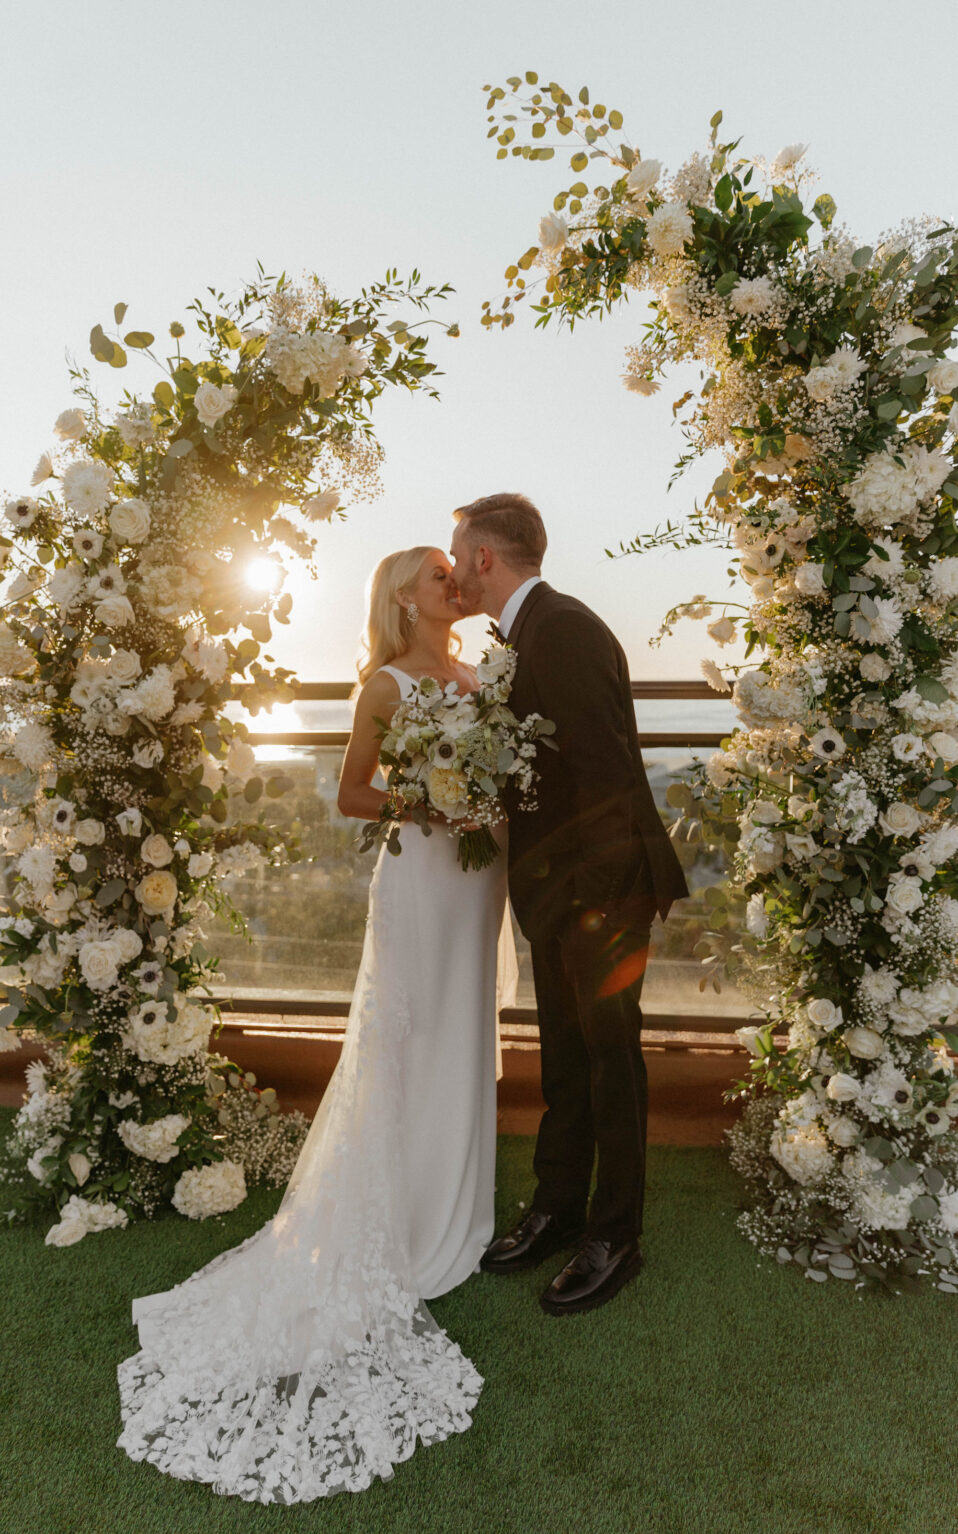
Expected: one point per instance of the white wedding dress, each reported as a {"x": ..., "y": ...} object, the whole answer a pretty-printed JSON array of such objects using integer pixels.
[{"x": 303, "y": 1362}]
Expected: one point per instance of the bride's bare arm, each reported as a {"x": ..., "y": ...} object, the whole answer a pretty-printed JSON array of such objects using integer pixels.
[{"x": 357, "y": 797}]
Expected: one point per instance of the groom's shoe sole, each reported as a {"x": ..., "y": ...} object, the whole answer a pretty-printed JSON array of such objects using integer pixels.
[
  {"x": 558, "y": 1243},
  {"x": 594, "y": 1301}
]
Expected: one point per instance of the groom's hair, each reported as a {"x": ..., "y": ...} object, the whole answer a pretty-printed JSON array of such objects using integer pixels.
[{"x": 508, "y": 523}]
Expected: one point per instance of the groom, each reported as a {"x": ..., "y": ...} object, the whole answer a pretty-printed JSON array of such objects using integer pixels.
[{"x": 588, "y": 871}]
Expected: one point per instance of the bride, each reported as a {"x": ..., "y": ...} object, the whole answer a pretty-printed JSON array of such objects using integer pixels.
[{"x": 304, "y": 1362}]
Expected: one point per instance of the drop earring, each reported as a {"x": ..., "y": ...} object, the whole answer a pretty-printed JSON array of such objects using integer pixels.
[{"x": 412, "y": 613}]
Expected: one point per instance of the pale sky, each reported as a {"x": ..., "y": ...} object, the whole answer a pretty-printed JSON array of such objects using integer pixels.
[{"x": 152, "y": 151}]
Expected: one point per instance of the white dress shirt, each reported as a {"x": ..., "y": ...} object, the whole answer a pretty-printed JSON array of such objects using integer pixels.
[{"x": 508, "y": 615}]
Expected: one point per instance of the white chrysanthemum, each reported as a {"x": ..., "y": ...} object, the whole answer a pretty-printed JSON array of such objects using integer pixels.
[
  {"x": 640, "y": 383},
  {"x": 669, "y": 227},
  {"x": 88, "y": 487},
  {"x": 152, "y": 698},
  {"x": 208, "y": 1190},
  {"x": 34, "y": 746},
  {"x": 43, "y": 470},
  {"x": 886, "y": 621},
  {"x": 754, "y": 297},
  {"x": 66, "y": 585},
  {"x": 553, "y": 233},
  {"x": 155, "y": 1141},
  {"x": 756, "y": 920}
]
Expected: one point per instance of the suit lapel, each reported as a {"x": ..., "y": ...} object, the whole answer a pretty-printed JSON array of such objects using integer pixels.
[{"x": 541, "y": 589}]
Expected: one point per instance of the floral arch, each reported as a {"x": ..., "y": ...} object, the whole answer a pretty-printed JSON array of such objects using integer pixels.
[{"x": 827, "y": 385}]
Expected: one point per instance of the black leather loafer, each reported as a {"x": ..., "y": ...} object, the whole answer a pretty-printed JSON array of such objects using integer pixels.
[
  {"x": 536, "y": 1237},
  {"x": 598, "y": 1271}
]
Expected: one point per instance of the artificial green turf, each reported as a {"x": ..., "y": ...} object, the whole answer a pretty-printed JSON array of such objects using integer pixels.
[{"x": 717, "y": 1393}]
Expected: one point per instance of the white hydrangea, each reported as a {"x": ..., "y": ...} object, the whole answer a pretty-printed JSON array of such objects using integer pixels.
[
  {"x": 208, "y": 1190},
  {"x": 155, "y": 1037},
  {"x": 320, "y": 356},
  {"x": 156, "y": 1141},
  {"x": 872, "y": 1205},
  {"x": 886, "y": 492},
  {"x": 804, "y": 1152}
]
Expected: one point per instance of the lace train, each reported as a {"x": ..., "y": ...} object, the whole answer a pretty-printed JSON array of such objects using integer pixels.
[{"x": 303, "y": 1362}]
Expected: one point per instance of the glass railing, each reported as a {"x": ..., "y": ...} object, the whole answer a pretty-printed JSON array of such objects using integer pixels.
[{"x": 307, "y": 921}]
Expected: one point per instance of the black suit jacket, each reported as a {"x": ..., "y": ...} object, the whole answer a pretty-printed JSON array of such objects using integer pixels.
[{"x": 595, "y": 839}]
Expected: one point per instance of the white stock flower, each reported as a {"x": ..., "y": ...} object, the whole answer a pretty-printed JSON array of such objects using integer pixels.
[
  {"x": 213, "y": 402},
  {"x": 88, "y": 486},
  {"x": 669, "y": 227},
  {"x": 553, "y": 233}
]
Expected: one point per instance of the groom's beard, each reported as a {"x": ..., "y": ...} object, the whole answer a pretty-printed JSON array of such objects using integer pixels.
[{"x": 471, "y": 599}]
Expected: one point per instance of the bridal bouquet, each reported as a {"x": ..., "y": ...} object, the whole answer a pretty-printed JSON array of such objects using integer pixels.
[{"x": 453, "y": 753}]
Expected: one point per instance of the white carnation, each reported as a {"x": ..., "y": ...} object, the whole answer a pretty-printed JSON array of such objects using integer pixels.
[{"x": 669, "y": 227}]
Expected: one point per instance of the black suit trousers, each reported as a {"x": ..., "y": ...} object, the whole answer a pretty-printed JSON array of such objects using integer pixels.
[{"x": 594, "y": 1078}]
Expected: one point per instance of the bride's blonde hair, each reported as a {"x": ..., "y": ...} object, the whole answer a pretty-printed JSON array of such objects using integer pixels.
[{"x": 388, "y": 629}]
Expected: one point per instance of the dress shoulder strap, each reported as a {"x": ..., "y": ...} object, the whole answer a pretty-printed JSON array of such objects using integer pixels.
[{"x": 406, "y": 682}]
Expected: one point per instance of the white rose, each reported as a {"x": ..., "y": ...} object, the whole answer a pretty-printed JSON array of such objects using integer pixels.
[
  {"x": 123, "y": 666},
  {"x": 900, "y": 819},
  {"x": 944, "y": 745},
  {"x": 943, "y": 376},
  {"x": 89, "y": 832},
  {"x": 553, "y": 233},
  {"x": 319, "y": 508},
  {"x": 212, "y": 403},
  {"x": 904, "y": 895},
  {"x": 642, "y": 178},
  {"x": 809, "y": 579},
  {"x": 70, "y": 425},
  {"x": 156, "y": 851},
  {"x": 823, "y": 1014},
  {"x": 842, "y": 1088},
  {"x": 864, "y": 1043},
  {"x": 199, "y": 865},
  {"x": 97, "y": 961},
  {"x": 156, "y": 892},
  {"x": 113, "y": 612},
  {"x": 130, "y": 520}
]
